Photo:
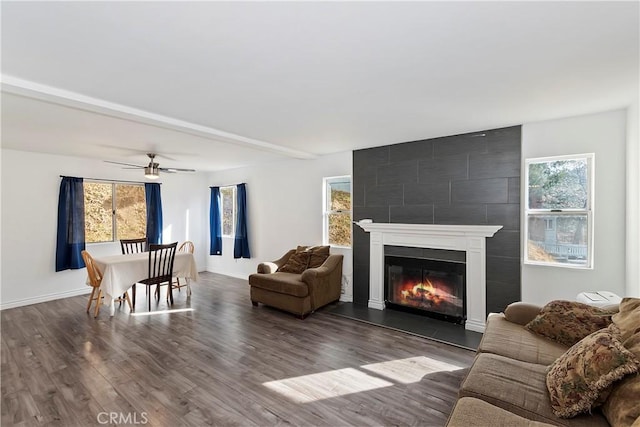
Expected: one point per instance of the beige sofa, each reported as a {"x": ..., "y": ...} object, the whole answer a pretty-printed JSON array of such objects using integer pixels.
[
  {"x": 297, "y": 293},
  {"x": 506, "y": 385}
]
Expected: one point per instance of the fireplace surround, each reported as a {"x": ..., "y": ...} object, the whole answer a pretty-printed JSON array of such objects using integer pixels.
[
  {"x": 468, "y": 238},
  {"x": 431, "y": 287}
]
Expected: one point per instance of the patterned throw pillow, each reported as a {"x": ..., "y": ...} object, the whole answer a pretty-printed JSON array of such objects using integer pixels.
[
  {"x": 567, "y": 322},
  {"x": 578, "y": 377},
  {"x": 319, "y": 255},
  {"x": 297, "y": 263}
]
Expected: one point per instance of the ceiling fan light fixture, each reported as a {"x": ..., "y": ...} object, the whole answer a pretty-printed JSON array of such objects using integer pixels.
[
  {"x": 151, "y": 172},
  {"x": 153, "y": 169}
]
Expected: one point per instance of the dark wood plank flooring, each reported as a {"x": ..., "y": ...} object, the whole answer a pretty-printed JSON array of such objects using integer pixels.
[{"x": 220, "y": 361}]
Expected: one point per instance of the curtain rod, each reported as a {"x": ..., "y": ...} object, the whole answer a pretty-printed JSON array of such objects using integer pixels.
[
  {"x": 110, "y": 180},
  {"x": 232, "y": 185}
]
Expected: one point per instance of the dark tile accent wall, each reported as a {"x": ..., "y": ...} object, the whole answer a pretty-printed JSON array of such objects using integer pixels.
[{"x": 460, "y": 179}]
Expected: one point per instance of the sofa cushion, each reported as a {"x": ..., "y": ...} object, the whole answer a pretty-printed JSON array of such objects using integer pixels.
[
  {"x": 470, "y": 412},
  {"x": 297, "y": 262},
  {"x": 280, "y": 282},
  {"x": 628, "y": 318},
  {"x": 567, "y": 322},
  {"x": 521, "y": 312},
  {"x": 622, "y": 407},
  {"x": 518, "y": 387},
  {"x": 586, "y": 370},
  {"x": 513, "y": 340}
]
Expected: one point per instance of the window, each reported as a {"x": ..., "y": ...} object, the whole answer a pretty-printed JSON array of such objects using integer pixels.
[
  {"x": 114, "y": 211},
  {"x": 558, "y": 211},
  {"x": 228, "y": 199},
  {"x": 337, "y": 211}
]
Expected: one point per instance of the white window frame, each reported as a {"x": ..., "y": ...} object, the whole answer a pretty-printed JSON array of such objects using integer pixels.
[
  {"x": 326, "y": 202},
  {"x": 234, "y": 211},
  {"x": 114, "y": 226},
  {"x": 588, "y": 211}
]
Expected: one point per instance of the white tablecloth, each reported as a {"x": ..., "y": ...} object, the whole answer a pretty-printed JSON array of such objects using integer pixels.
[{"x": 120, "y": 272}]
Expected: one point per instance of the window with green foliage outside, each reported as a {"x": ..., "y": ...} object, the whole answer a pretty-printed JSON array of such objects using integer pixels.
[
  {"x": 558, "y": 213},
  {"x": 114, "y": 211},
  {"x": 337, "y": 211}
]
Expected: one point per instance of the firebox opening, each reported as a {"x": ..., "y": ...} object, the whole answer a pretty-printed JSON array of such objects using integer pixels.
[{"x": 425, "y": 286}]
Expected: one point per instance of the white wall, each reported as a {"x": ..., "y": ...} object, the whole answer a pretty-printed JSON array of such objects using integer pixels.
[
  {"x": 605, "y": 135},
  {"x": 284, "y": 201},
  {"x": 285, "y": 209},
  {"x": 30, "y": 187},
  {"x": 633, "y": 201}
]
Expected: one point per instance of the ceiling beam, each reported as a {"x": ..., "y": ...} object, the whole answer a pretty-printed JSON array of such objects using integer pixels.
[{"x": 17, "y": 86}]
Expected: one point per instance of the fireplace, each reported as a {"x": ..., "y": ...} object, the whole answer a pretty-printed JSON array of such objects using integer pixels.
[
  {"x": 429, "y": 287},
  {"x": 469, "y": 239}
]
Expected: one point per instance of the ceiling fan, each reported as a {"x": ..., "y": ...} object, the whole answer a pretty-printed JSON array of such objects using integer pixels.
[{"x": 152, "y": 170}]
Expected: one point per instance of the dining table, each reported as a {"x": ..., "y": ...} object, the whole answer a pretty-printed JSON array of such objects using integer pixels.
[{"x": 121, "y": 272}]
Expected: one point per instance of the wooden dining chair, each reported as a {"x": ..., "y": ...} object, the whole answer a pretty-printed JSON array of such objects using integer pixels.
[
  {"x": 133, "y": 246},
  {"x": 95, "y": 279},
  {"x": 187, "y": 246},
  {"x": 160, "y": 270}
]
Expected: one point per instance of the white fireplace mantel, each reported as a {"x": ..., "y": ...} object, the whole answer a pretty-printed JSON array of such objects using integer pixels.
[{"x": 468, "y": 238}]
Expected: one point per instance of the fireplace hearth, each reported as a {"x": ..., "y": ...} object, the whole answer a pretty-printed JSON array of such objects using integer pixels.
[{"x": 428, "y": 287}]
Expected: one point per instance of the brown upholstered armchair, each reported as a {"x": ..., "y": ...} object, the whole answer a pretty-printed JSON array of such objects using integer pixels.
[{"x": 291, "y": 285}]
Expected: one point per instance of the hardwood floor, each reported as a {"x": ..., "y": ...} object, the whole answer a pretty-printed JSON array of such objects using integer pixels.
[{"x": 221, "y": 362}]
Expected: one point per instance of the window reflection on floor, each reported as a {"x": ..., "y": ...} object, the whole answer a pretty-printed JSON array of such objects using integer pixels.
[{"x": 325, "y": 385}]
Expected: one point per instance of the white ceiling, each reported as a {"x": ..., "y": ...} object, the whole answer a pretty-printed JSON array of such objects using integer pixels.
[{"x": 217, "y": 85}]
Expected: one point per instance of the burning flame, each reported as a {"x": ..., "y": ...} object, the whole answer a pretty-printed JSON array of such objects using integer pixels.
[
  {"x": 423, "y": 291},
  {"x": 436, "y": 293}
]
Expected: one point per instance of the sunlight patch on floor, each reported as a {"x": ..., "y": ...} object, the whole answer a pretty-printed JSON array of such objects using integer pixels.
[
  {"x": 411, "y": 370},
  {"x": 325, "y": 385},
  {"x": 170, "y": 311}
]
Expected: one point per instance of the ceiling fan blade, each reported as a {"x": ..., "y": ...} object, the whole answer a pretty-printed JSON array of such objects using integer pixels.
[
  {"x": 124, "y": 164},
  {"x": 176, "y": 170}
]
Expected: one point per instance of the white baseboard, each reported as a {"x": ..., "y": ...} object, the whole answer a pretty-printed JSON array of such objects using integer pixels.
[
  {"x": 236, "y": 275},
  {"x": 474, "y": 326},
  {"x": 44, "y": 298}
]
